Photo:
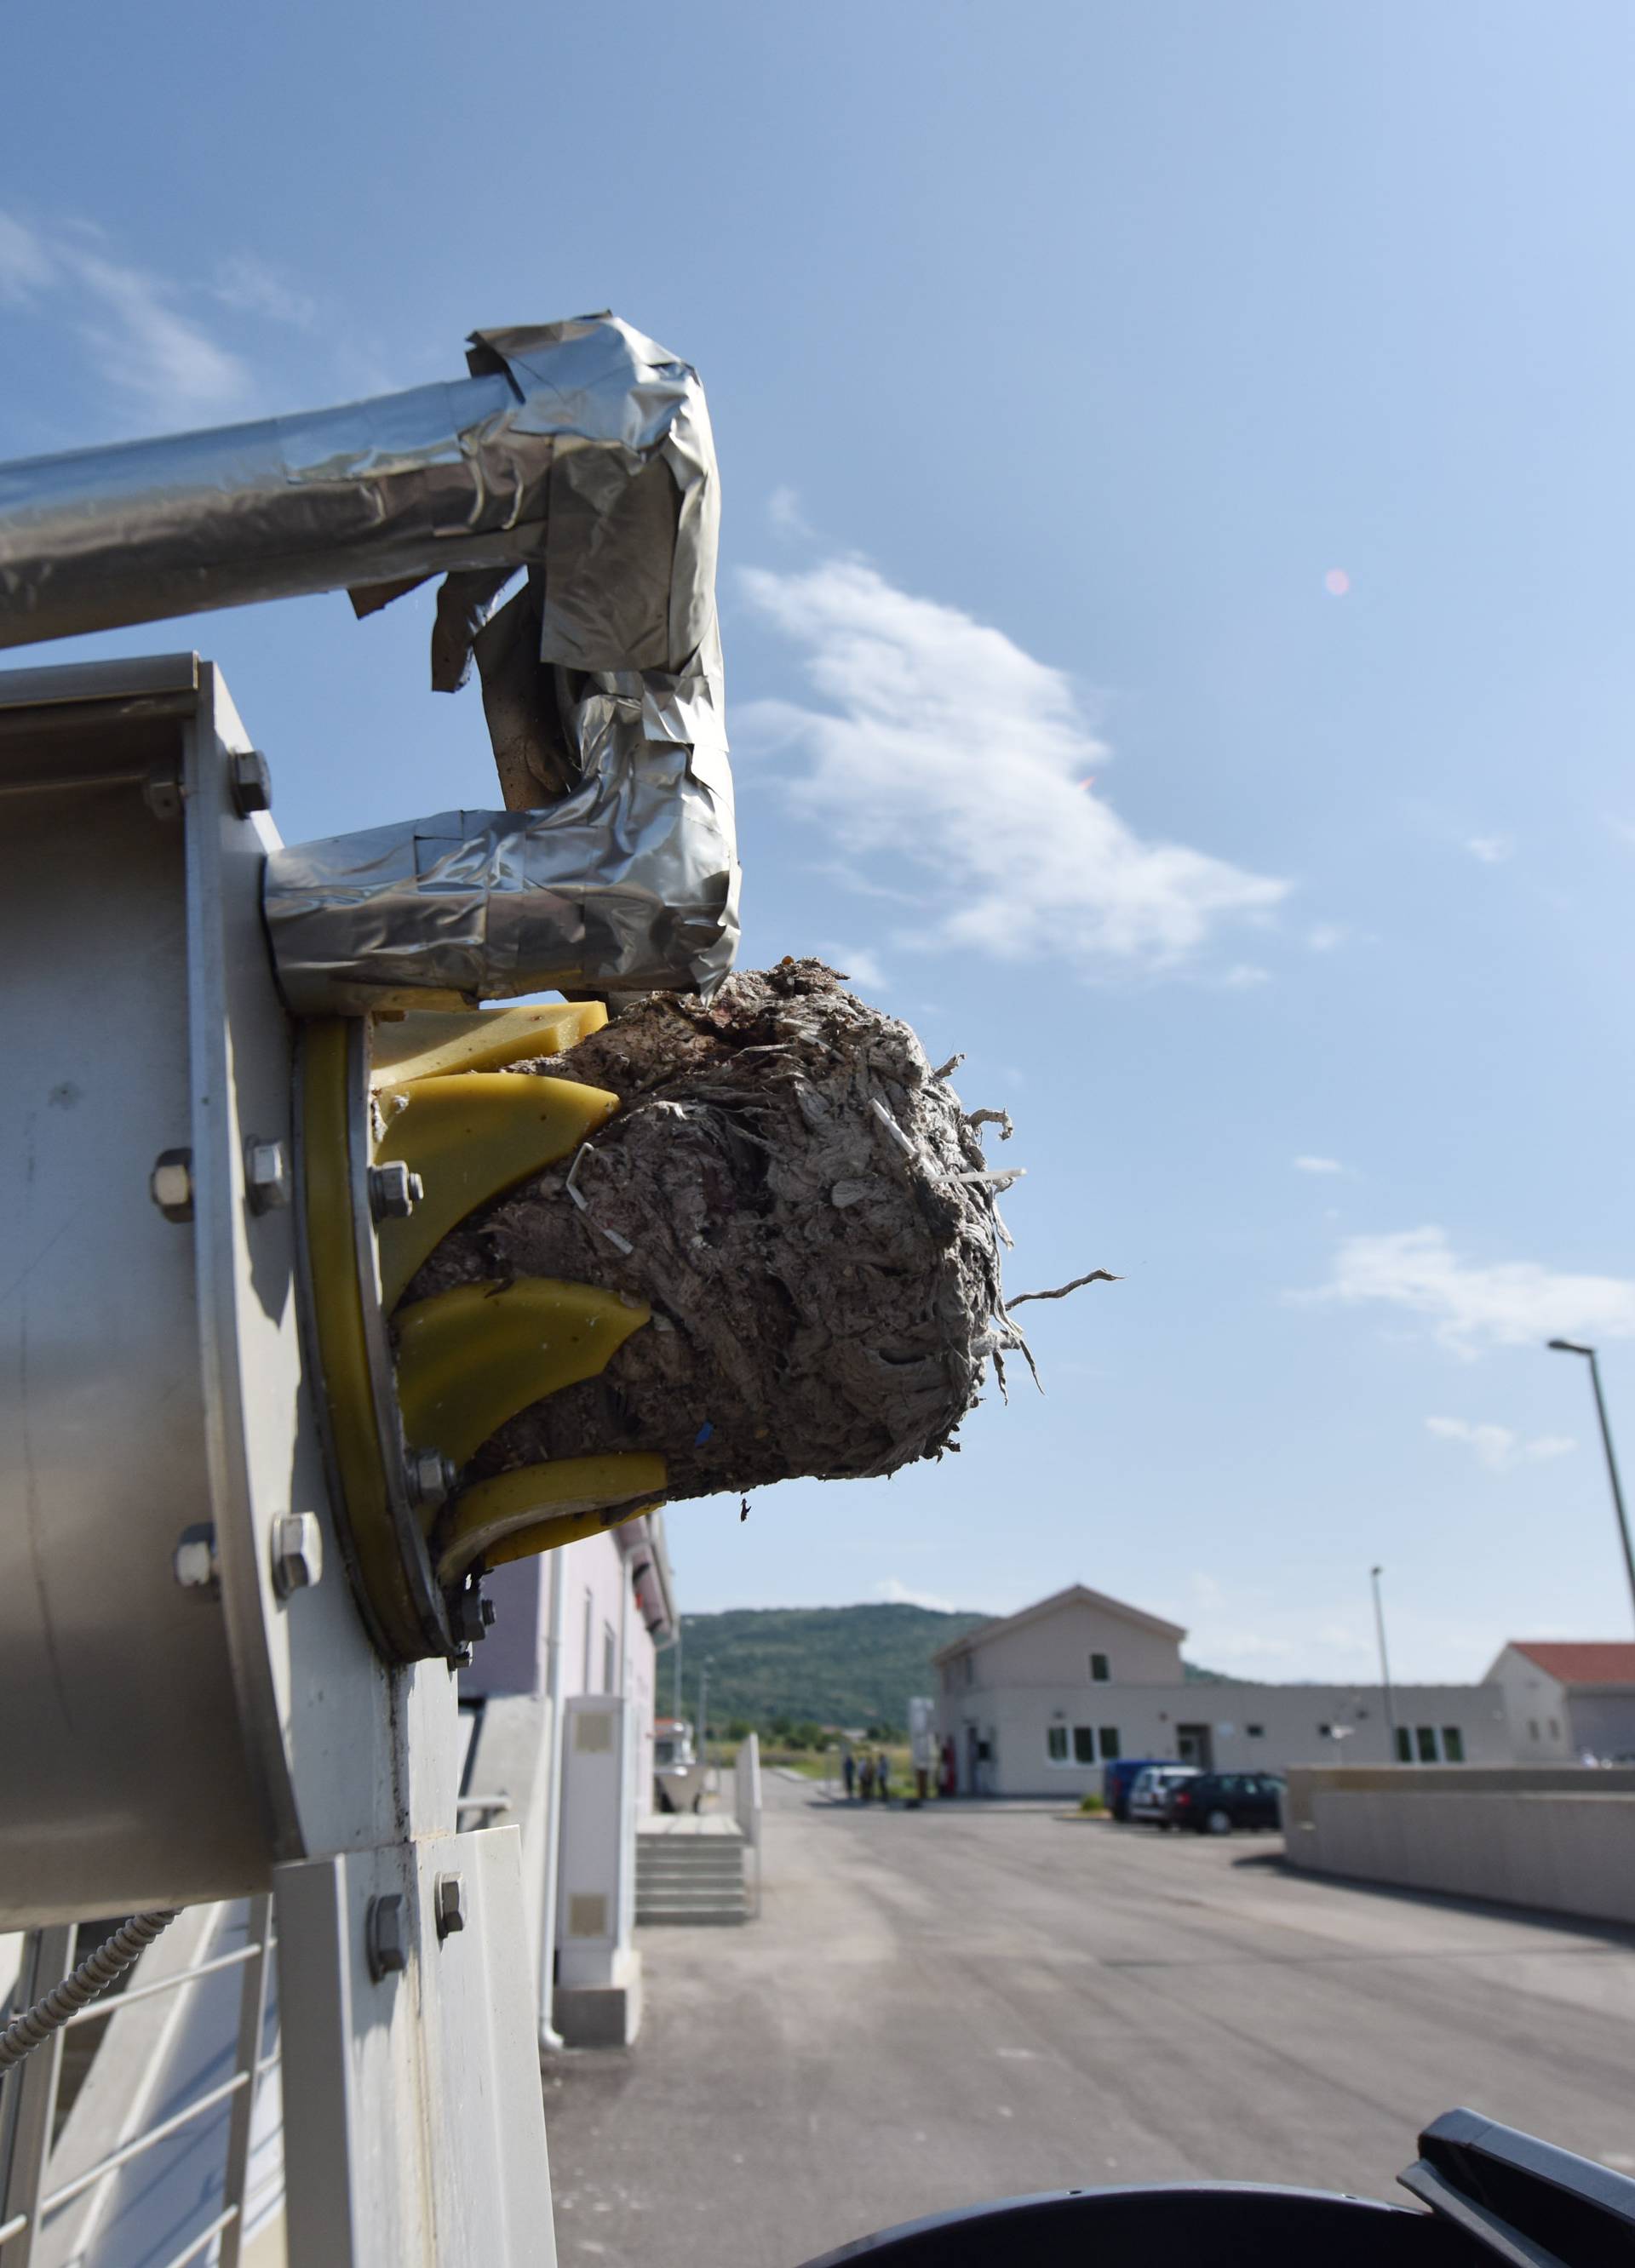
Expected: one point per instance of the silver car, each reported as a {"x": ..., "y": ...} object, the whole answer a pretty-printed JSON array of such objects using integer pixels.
[{"x": 1151, "y": 1797}]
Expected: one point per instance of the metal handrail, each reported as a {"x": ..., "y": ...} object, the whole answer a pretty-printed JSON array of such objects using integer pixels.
[
  {"x": 14, "y": 2226},
  {"x": 70, "y": 2190},
  {"x": 500, "y": 1802},
  {"x": 106, "y": 2006},
  {"x": 204, "y": 2238}
]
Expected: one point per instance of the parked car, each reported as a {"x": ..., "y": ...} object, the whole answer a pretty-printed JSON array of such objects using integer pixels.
[
  {"x": 1213, "y": 1803},
  {"x": 1153, "y": 1794},
  {"x": 1117, "y": 1779}
]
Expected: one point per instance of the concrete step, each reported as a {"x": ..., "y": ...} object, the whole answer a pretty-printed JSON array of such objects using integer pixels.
[
  {"x": 666, "y": 1870},
  {"x": 662, "y": 1917}
]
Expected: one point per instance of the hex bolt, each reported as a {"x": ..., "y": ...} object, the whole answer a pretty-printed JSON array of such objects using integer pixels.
[
  {"x": 385, "y": 1940},
  {"x": 393, "y": 1191},
  {"x": 195, "y": 1564},
  {"x": 249, "y": 777},
  {"x": 267, "y": 1184},
  {"x": 298, "y": 1552},
  {"x": 449, "y": 1904},
  {"x": 170, "y": 1185},
  {"x": 429, "y": 1476}
]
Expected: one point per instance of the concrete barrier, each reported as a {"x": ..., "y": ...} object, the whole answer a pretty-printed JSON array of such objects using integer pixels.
[{"x": 1557, "y": 1836}]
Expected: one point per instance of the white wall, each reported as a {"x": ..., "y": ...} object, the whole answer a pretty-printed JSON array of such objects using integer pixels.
[
  {"x": 1054, "y": 1650},
  {"x": 1148, "y": 1720}
]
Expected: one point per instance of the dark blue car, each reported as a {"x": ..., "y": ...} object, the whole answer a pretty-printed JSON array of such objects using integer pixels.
[{"x": 1118, "y": 1778}]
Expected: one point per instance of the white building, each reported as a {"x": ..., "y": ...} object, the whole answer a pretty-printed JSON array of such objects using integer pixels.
[
  {"x": 1568, "y": 1699},
  {"x": 1036, "y": 1703},
  {"x": 559, "y": 1702}
]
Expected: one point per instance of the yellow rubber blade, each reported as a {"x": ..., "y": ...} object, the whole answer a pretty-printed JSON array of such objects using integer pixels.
[
  {"x": 469, "y": 1135},
  {"x": 470, "y": 1358},
  {"x": 538, "y": 1507},
  {"x": 422, "y": 1044}
]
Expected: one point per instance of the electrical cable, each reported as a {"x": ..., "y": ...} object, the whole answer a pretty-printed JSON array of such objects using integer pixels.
[{"x": 94, "y": 1975}]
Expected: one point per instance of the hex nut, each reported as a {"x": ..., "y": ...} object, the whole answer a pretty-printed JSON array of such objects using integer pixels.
[
  {"x": 170, "y": 1185},
  {"x": 195, "y": 1561},
  {"x": 449, "y": 1903},
  {"x": 250, "y": 781},
  {"x": 298, "y": 1552},
  {"x": 267, "y": 1184},
  {"x": 393, "y": 1191},
  {"x": 386, "y": 1942},
  {"x": 429, "y": 1476}
]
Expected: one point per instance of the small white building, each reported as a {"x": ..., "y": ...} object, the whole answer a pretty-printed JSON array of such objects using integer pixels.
[
  {"x": 1568, "y": 1700},
  {"x": 1036, "y": 1703}
]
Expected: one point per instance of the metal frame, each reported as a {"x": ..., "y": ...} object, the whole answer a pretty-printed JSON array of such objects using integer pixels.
[{"x": 30, "y": 2115}]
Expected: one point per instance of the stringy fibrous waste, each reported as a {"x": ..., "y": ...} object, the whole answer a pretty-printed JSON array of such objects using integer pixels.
[{"x": 807, "y": 1207}]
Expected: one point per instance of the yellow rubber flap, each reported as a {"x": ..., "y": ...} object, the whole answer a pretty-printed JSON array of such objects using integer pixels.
[
  {"x": 470, "y": 1358},
  {"x": 469, "y": 1135},
  {"x": 538, "y": 1507},
  {"x": 424, "y": 1045}
]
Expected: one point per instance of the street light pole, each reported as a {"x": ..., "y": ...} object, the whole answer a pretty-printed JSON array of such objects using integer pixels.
[
  {"x": 1374, "y": 1574},
  {"x": 1570, "y": 1346}
]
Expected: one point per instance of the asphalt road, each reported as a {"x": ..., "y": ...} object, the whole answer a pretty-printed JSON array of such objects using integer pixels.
[{"x": 960, "y": 2003}]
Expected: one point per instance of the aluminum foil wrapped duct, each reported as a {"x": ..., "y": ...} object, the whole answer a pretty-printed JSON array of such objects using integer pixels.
[
  {"x": 580, "y": 448},
  {"x": 576, "y": 453},
  {"x": 629, "y": 883}
]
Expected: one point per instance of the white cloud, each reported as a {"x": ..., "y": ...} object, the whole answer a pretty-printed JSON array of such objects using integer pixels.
[
  {"x": 250, "y": 287},
  {"x": 1318, "y": 1165},
  {"x": 855, "y": 961},
  {"x": 1498, "y": 1447},
  {"x": 895, "y": 1593},
  {"x": 1512, "y": 1303},
  {"x": 1492, "y": 849},
  {"x": 945, "y": 744},
  {"x": 1324, "y": 937},
  {"x": 1243, "y": 976},
  {"x": 142, "y": 344},
  {"x": 783, "y": 508}
]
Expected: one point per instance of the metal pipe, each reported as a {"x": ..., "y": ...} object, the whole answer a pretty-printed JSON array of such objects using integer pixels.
[
  {"x": 201, "y": 2242},
  {"x": 549, "y": 2037},
  {"x": 101, "y": 2009},
  {"x": 540, "y": 459}
]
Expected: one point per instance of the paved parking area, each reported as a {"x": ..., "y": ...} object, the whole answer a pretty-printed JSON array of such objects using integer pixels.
[{"x": 974, "y": 2001}]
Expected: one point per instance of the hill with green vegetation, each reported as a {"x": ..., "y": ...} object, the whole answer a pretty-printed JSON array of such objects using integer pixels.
[
  {"x": 792, "y": 1670},
  {"x": 787, "y": 1668}
]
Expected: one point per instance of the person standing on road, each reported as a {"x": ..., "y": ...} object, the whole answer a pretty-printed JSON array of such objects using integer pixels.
[
  {"x": 866, "y": 1777},
  {"x": 882, "y": 1776},
  {"x": 849, "y": 1773}
]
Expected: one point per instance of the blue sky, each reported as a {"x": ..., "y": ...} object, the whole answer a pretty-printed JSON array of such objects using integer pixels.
[{"x": 1177, "y": 593}]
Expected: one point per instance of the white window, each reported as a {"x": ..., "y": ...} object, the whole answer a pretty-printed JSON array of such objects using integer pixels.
[
  {"x": 1083, "y": 1744},
  {"x": 1100, "y": 1670},
  {"x": 1532, "y": 1729},
  {"x": 1056, "y": 1744},
  {"x": 1110, "y": 1744},
  {"x": 1256, "y": 1732},
  {"x": 1453, "y": 1745},
  {"x": 1554, "y": 1728}
]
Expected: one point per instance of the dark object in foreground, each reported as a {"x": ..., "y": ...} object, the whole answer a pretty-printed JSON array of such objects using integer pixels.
[{"x": 1494, "y": 2195}]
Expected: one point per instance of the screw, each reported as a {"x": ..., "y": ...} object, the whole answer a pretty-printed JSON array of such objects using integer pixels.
[
  {"x": 470, "y": 1614},
  {"x": 393, "y": 1191},
  {"x": 170, "y": 1185},
  {"x": 298, "y": 1552},
  {"x": 449, "y": 1903},
  {"x": 384, "y": 1940},
  {"x": 249, "y": 781},
  {"x": 266, "y": 1175},
  {"x": 161, "y": 791},
  {"x": 429, "y": 1476},
  {"x": 195, "y": 1563}
]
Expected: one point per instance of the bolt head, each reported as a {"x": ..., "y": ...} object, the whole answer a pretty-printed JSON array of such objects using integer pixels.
[
  {"x": 385, "y": 1939},
  {"x": 266, "y": 1175},
  {"x": 250, "y": 781},
  {"x": 298, "y": 1552},
  {"x": 170, "y": 1185},
  {"x": 195, "y": 1563},
  {"x": 449, "y": 1896},
  {"x": 393, "y": 1191}
]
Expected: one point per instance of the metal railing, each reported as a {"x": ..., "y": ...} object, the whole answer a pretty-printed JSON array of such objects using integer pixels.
[{"x": 28, "y": 2099}]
